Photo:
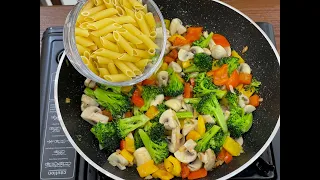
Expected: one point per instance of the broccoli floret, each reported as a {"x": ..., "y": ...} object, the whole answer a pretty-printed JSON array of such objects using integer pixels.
[
  {"x": 203, "y": 42},
  {"x": 204, "y": 85},
  {"x": 137, "y": 139},
  {"x": 158, "y": 150},
  {"x": 89, "y": 92},
  {"x": 149, "y": 93},
  {"x": 107, "y": 135},
  {"x": 209, "y": 104},
  {"x": 116, "y": 89},
  {"x": 188, "y": 76},
  {"x": 127, "y": 125},
  {"x": 238, "y": 122},
  {"x": 193, "y": 101},
  {"x": 208, "y": 126},
  {"x": 254, "y": 85},
  {"x": 136, "y": 111},
  {"x": 184, "y": 114},
  {"x": 203, "y": 143},
  {"x": 232, "y": 99},
  {"x": 116, "y": 103},
  {"x": 155, "y": 130},
  {"x": 175, "y": 86},
  {"x": 201, "y": 62},
  {"x": 161, "y": 108},
  {"x": 232, "y": 62},
  {"x": 218, "y": 140}
]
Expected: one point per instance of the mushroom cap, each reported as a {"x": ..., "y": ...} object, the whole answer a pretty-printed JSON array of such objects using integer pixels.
[
  {"x": 169, "y": 119},
  {"x": 195, "y": 165}
]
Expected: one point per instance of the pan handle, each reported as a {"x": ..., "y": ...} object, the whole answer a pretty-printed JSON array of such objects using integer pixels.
[{"x": 263, "y": 167}]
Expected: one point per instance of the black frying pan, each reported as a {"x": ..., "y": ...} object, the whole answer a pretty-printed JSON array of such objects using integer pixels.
[{"x": 213, "y": 16}]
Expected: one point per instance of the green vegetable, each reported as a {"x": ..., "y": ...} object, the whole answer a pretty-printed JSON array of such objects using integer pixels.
[
  {"x": 209, "y": 104},
  {"x": 137, "y": 139},
  {"x": 255, "y": 85},
  {"x": 204, "y": 85},
  {"x": 175, "y": 86},
  {"x": 201, "y": 62},
  {"x": 203, "y": 42},
  {"x": 158, "y": 149},
  {"x": 218, "y": 140},
  {"x": 161, "y": 108},
  {"x": 238, "y": 122},
  {"x": 127, "y": 125},
  {"x": 89, "y": 92},
  {"x": 208, "y": 126},
  {"x": 203, "y": 143},
  {"x": 232, "y": 99},
  {"x": 136, "y": 111},
  {"x": 184, "y": 114},
  {"x": 232, "y": 62},
  {"x": 155, "y": 130},
  {"x": 149, "y": 93},
  {"x": 116, "y": 103},
  {"x": 188, "y": 76},
  {"x": 107, "y": 136},
  {"x": 193, "y": 101},
  {"x": 116, "y": 89}
]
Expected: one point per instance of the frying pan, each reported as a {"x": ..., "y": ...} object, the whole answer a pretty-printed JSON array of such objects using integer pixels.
[{"x": 214, "y": 16}]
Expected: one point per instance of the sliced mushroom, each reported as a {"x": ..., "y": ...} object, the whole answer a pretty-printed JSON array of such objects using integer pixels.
[
  {"x": 175, "y": 25},
  {"x": 195, "y": 165},
  {"x": 169, "y": 119},
  {"x": 167, "y": 49},
  {"x": 181, "y": 29},
  {"x": 207, "y": 51},
  {"x": 180, "y": 97},
  {"x": 228, "y": 50},
  {"x": 88, "y": 100},
  {"x": 148, "y": 177},
  {"x": 177, "y": 140},
  {"x": 239, "y": 140},
  {"x": 226, "y": 114},
  {"x": 158, "y": 100},
  {"x": 243, "y": 100},
  {"x": 186, "y": 107},
  {"x": 209, "y": 119},
  {"x": 218, "y": 52},
  {"x": 174, "y": 104},
  {"x": 186, "y": 155},
  {"x": 141, "y": 156},
  {"x": 83, "y": 106},
  {"x": 208, "y": 158},
  {"x": 196, "y": 49},
  {"x": 175, "y": 66},
  {"x": 89, "y": 83},
  {"x": 185, "y": 47},
  {"x": 163, "y": 77},
  {"x": 189, "y": 124},
  {"x": 92, "y": 114},
  {"x": 116, "y": 159},
  {"x": 205, "y": 34},
  {"x": 189, "y": 145},
  {"x": 244, "y": 68},
  {"x": 184, "y": 55},
  {"x": 249, "y": 108}
]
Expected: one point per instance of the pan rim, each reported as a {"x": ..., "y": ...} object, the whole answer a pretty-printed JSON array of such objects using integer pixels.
[{"x": 227, "y": 176}]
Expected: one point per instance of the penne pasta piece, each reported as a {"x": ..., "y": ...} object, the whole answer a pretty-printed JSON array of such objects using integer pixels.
[
  {"x": 98, "y": 2},
  {"x": 83, "y": 41},
  {"x": 123, "y": 43},
  {"x": 117, "y": 77},
  {"x": 103, "y": 71},
  {"x": 89, "y": 4},
  {"x": 82, "y": 49},
  {"x": 145, "y": 9},
  {"x": 96, "y": 40},
  {"x": 116, "y": 2},
  {"x": 124, "y": 20},
  {"x": 120, "y": 10},
  {"x": 109, "y": 37},
  {"x": 121, "y": 50},
  {"x": 132, "y": 29},
  {"x": 104, "y": 60},
  {"x": 81, "y": 32},
  {"x": 151, "y": 51},
  {"x": 93, "y": 47},
  {"x": 107, "y": 53},
  {"x": 93, "y": 56},
  {"x": 142, "y": 23},
  {"x": 141, "y": 53},
  {"x": 147, "y": 41},
  {"x": 124, "y": 69},
  {"x": 84, "y": 25},
  {"x": 134, "y": 68},
  {"x": 100, "y": 24},
  {"x": 91, "y": 11},
  {"x": 142, "y": 63},
  {"x": 108, "y": 44},
  {"x": 80, "y": 20},
  {"x": 126, "y": 57},
  {"x": 112, "y": 68},
  {"x": 89, "y": 64},
  {"x": 142, "y": 46},
  {"x": 108, "y": 3},
  {"x": 136, "y": 5},
  {"x": 128, "y": 36},
  {"x": 150, "y": 21},
  {"x": 153, "y": 35},
  {"x": 106, "y": 30},
  {"x": 86, "y": 54},
  {"x": 102, "y": 14},
  {"x": 126, "y": 4}
]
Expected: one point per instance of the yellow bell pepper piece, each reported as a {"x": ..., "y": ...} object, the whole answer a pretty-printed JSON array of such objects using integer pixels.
[
  {"x": 201, "y": 129},
  {"x": 147, "y": 168},
  {"x": 127, "y": 155},
  {"x": 176, "y": 170},
  {"x": 130, "y": 145},
  {"x": 162, "y": 174},
  {"x": 194, "y": 135},
  {"x": 181, "y": 123},
  {"x": 235, "y": 54},
  {"x": 247, "y": 93},
  {"x": 167, "y": 22},
  {"x": 179, "y": 62},
  {"x": 186, "y": 64},
  {"x": 232, "y": 146},
  {"x": 152, "y": 112},
  {"x": 168, "y": 165},
  {"x": 164, "y": 66},
  {"x": 173, "y": 37},
  {"x": 126, "y": 89}
]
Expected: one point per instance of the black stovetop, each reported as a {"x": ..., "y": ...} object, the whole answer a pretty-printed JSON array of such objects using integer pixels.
[{"x": 59, "y": 160}]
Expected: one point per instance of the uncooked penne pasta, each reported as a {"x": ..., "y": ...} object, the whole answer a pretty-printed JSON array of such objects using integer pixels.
[
  {"x": 141, "y": 53},
  {"x": 91, "y": 11},
  {"x": 108, "y": 3},
  {"x": 96, "y": 40},
  {"x": 116, "y": 2},
  {"x": 153, "y": 35},
  {"x": 103, "y": 71},
  {"x": 93, "y": 56},
  {"x": 84, "y": 25},
  {"x": 106, "y": 30},
  {"x": 112, "y": 68},
  {"x": 126, "y": 4},
  {"x": 98, "y": 2},
  {"x": 142, "y": 23},
  {"x": 81, "y": 32},
  {"x": 134, "y": 68},
  {"x": 109, "y": 37},
  {"x": 132, "y": 29},
  {"x": 82, "y": 49},
  {"x": 136, "y": 5},
  {"x": 89, "y": 4},
  {"x": 107, "y": 53},
  {"x": 120, "y": 10},
  {"x": 127, "y": 57},
  {"x": 124, "y": 20},
  {"x": 121, "y": 50},
  {"x": 124, "y": 69},
  {"x": 102, "y": 14},
  {"x": 150, "y": 21},
  {"x": 117, "y": 77},
  {"x": 128, "y": 36},
  {"x": 108, "y": 44},
  {"x": 86, "y": 54},
  {"x": 142, "y": 63},
  {"x": 89, "y": 64},
  {"x": 93, "y": 47},
  {"x": 100, "y": 24},
  {"x": 147, "y": 41},
  {"x": 83, "y": 41},
  {"x": 151, "y": 51},
  {"x": 104, "y": 60},
  {"x": 142, "y": 46},
  {"x": 80, "y": 20},
  {"x": 123, "y": 43},
  {"x": 145, "y": 8}
]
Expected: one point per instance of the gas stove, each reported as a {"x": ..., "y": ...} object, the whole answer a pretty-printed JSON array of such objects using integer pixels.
[{"x": 59, "y": 160}]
